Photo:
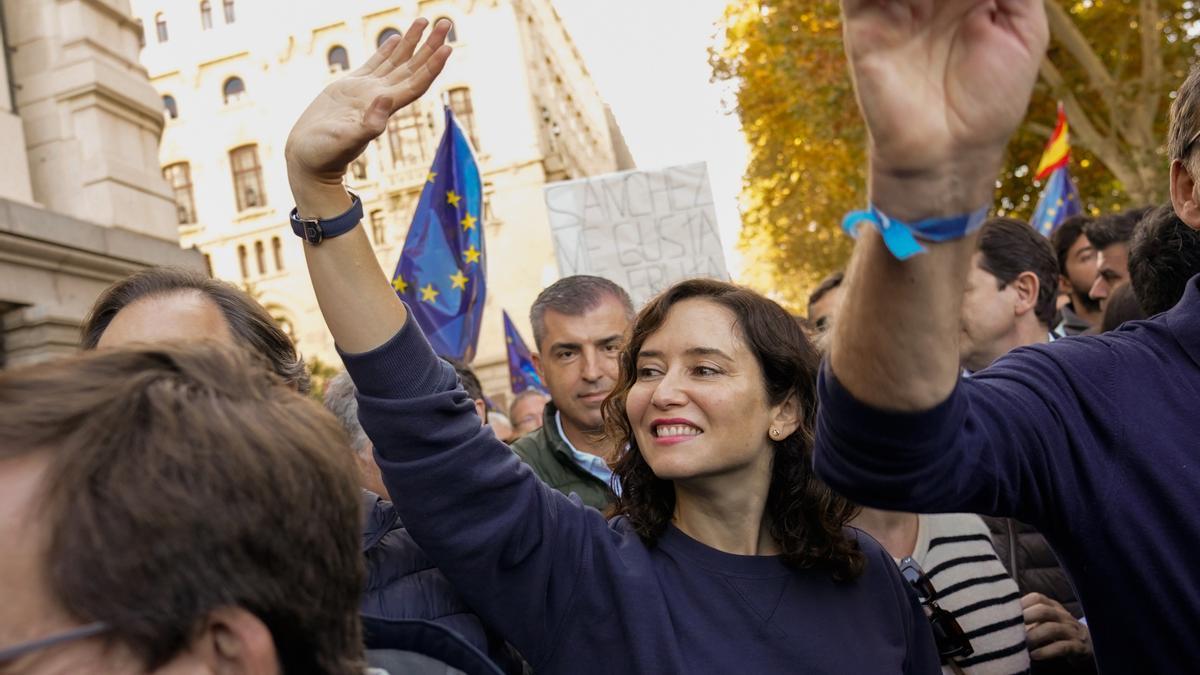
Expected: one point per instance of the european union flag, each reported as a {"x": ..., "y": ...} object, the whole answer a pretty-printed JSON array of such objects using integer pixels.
[
  {"x": 521, "y": 372},
  {"x": 442, "y": 273},
  {"x": 1059, "y": 201}
]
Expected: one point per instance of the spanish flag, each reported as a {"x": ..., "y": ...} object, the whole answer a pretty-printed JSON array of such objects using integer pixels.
[
  {"x": 1058, "y": 149},
  {"x": 1059, "y": 199}
]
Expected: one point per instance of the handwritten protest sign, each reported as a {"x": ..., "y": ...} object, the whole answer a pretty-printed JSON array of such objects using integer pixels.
[{"x": 644, "y": 230}]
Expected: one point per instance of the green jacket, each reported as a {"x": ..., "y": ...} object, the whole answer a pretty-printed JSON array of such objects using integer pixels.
[{"x": 546, "y": 452}]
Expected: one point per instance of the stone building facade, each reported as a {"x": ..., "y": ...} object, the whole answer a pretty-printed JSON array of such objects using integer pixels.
[
  {"x": 82, "y": 198},
  {"x": 233, "y": 75}
]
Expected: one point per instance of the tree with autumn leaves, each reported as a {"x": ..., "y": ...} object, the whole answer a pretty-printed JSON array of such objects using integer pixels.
[{"x": 1112, "y": 63}]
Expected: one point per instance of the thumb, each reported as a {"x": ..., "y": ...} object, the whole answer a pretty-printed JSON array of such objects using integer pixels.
[{"x": 377, "y": 114}]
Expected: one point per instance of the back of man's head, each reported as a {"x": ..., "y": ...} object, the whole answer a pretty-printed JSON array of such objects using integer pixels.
[
  {"x": 1163, "y": 257},
  {"x": 1114, "y": 228},
  {"x": 1010, "y": 247},
  {"x": 179, "y": 483},
  {"x": 574, "y": 296},
  {"x": 252, "y": 325}
]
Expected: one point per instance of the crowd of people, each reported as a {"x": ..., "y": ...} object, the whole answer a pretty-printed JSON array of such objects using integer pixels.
[{"x": 979, "y": 459}]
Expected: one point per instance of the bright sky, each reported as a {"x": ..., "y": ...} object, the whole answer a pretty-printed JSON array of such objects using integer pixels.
[{"x": 649, "y": 59}]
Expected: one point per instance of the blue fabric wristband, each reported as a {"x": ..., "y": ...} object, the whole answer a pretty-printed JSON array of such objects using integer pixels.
[{"x": 901, "y": 237}]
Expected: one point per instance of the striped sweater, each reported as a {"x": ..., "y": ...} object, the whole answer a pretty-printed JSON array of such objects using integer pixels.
[{"x": 956, "y": 552}]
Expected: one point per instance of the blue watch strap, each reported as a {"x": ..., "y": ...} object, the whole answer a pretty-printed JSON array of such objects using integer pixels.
[
  {"x": 314, "y": 230},
  {"x": 901, "y": 237}
]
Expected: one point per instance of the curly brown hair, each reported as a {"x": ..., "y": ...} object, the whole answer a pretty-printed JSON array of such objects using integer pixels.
[{"x": 805, "y": 516}]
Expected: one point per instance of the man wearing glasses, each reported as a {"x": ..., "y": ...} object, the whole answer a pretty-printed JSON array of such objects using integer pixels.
[
  {"x": 164, "y": 510},
  {"x": 1094, "y": 441}
]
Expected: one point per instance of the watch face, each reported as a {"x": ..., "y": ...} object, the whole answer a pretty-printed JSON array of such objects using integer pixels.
[{"x": 312, "y": 232}]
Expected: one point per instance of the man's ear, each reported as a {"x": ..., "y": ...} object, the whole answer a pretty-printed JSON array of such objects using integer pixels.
[
  {"x": 1027, "y": 286},
  {"x": 235, "y": 642},
  {"x": 1183, "y": 195},
  {"x": 1064, "y": 285},
  {"x": 537, "y": 365},
  {"x": 481, "y": 409}
]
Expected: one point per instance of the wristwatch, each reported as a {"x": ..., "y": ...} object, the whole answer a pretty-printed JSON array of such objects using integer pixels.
[{"x": 315, "y": 230}]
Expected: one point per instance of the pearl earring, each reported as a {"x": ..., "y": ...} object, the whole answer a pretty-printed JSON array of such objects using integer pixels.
[{"x": 774, "y": 432}]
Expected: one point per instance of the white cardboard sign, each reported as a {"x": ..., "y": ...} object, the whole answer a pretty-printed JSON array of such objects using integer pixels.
[{"x": 645, "y": 230}]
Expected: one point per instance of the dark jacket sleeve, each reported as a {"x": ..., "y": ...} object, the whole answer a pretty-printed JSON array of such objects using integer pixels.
[
  {"x": 515, "y": 549},
  {"x": 1018, "y": 439}
]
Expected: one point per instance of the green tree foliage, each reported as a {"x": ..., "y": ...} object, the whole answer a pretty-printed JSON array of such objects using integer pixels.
[{"x": 1113, "y": 63}]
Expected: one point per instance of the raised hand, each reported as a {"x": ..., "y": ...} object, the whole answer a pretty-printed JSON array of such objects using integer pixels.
[
  {"x": 353, "y": 110},
  {"x": 942, "y": 85}
]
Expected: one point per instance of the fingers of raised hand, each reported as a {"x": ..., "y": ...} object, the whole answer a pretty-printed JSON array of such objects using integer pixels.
[
  {"x": 408, "y": 45},
  {"x": 379, "y": 57},
  {"x": 415, "y": 63}
]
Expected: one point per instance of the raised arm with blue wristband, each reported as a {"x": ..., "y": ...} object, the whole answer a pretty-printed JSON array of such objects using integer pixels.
[{"x": 1088, "y": 439}]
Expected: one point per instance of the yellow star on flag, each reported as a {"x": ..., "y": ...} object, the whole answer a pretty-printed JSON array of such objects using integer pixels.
[
  {"x": 431, "y": 176},
  {"x": 429, "y": 293},
  {"x": 453, "y": 198},
  {"x": 468, "y": 222},
  {"x": 400, "y": 284},
  {"x": 471, "y": 255},
  {"x": 458, "y": 280}
]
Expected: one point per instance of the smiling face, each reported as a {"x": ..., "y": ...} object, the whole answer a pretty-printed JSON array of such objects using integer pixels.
[{"x": 698, "y": 407}]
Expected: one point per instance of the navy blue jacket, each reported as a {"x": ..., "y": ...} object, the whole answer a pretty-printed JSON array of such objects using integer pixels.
[
  {"x": 1095, "y": 441},
  {"x": 579, "y": 594},
  {"x": 403, "y": 585}
]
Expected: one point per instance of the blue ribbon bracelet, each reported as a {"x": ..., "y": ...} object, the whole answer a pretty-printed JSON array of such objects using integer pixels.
[{"x": 901, "y": 237}]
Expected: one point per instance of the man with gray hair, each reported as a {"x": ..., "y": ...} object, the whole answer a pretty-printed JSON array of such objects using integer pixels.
[
  {"x": 579, "y": 325},
  {"x": 340, "y": 400}
]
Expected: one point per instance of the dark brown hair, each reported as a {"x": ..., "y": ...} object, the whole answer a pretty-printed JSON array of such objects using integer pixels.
[
  {"x": 248, "y": 320},
  {"x": 1114, "y": 228},
  {"x": 805, "y": 517},
  {"x": 1010, "y": 247},
  {"x": 180, "y": 481},
  {"x": 1164, "y": 256}
]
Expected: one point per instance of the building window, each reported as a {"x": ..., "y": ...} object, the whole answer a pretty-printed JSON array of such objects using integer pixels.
[
  {"x": 229, "y": 15},
  {"x": 452, "y": 36},
  {"x": 206, "y": 15},
  {"x": 384, "y": 35},
  {"x": 242, "y": 262},
  {"x": 233, "y": 90},
  {"x": 378, "y": 228},
  {"x": 358, "y": 168},
  {"x": 170, "y": 107},
  {"x": 406, "y": 137},
  {"x": 464, "y": 112},
  {"x": 160, "y": 24},
  {"x": 208, "y": 264},
  {"x": 338, "y": 59},
  {"x": 141, "y": 31},
  {"x": 247, "y": 177},
  {"x": 260, "y": 256},
  {"x": 179, "y": 177},
  {"x": 277, "y": 251}
]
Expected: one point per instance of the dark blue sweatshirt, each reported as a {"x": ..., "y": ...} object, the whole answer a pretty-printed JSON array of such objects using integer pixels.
[
  {"x": 1093, "y": 440},
  {"x": 578, "y": 594}
]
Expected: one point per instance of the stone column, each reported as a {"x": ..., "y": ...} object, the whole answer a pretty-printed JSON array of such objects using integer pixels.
[{"x": 91, "y": 119}]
